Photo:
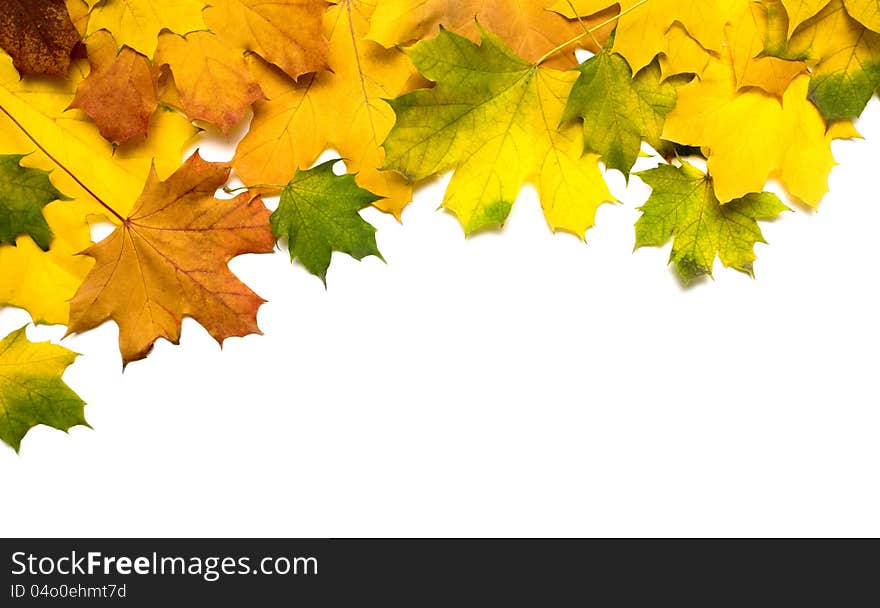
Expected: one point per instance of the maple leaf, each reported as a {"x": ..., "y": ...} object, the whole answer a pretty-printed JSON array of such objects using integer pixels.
[
  {"x": 287, "y": 33},
  {"x": 844, "y": 58},
  {"x": 760, "y": 88},
  {"x": 866, "y": 12},
  {"x": 79, "y": 15},
  {"x": 69, "y": 145},
  {"x": 641, "y": 30},
  {"x": 319, "y": 214},
  {"x": 38, "y": 34},
  {"x": 32, "y": 391},
  {"x": 137, "y": 23},
  {"x": 119, "y": 94},
  {"x": 682, "y": 54},
  {"x": 683, "y": 207},
  {"x": 214, "y": 82},
  {"x": 527, "y": 26},
  {"x": 492, "y": 118},
  {"x": 169, "y": 260},
  {"x": 747, "y": 28},
  {"x": 42, "y": 282},
  {"x": 747, "y": 36},
  {"x": 343, "y": 109},
  {"x": 115, "y": 175},
  {"x": 751, "y": 137},
  {"x": 23, "y": 194},
  {"x": 799, "y": 11},
  {"x": 619, "y": 110}
]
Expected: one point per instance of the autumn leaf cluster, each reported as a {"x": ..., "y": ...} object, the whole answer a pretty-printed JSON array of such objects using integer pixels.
[{"x": 99, "y": 99}]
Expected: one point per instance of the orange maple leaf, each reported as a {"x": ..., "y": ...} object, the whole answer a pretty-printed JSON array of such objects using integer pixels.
[
  {"x": 169, "y": 259},
  {"x": 121, "y": 112},
  {"x": 213, "y": 81}
]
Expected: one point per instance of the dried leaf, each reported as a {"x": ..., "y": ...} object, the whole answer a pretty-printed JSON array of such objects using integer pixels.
[
  {"x": 169, "y": 260},
  {"x": 38, "y": 34}
]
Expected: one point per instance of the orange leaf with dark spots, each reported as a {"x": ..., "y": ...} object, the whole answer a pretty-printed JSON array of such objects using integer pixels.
[{"x": 169, "y": 259}]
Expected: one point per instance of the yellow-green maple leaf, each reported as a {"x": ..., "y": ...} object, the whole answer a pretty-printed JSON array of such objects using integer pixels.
[
  {"x": 31, "y": 389},
  {"x": 683, "y": 208},
  {"x": 619, "y": 110},
  {"x": 492, "y": 117},
  {"x": 844, "y": 57}
]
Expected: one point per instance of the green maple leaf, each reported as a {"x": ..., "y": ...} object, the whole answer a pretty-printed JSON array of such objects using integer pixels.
[
  {"x": 319, "y": 213},
  {"x": 23, "y": 194},
  {"x": 619, "y": 110},
  {"x": 31, "y": 389},
  {"x": 683, "y": 207}
]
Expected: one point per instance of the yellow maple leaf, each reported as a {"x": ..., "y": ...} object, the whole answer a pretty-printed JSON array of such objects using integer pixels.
[
  {"x": 79, "y": 14},
  {"x": 683, "y": 54},
  {"x": 746, "y": 36},
  {"x": 752, "y": 137},
  {"x": 137, "y": 23},
  {"x": 800, "y": 10},
  {"x": 743, "y": 27},
  {"x": 493, "y": 119},
  {"x": 43, "y": 282},
  {"x": 866, "y": 12},
  {"x": 286, "y": 33},
  {"x": 641, "y": 31},
  {"x": 343, "y": 109},
  {"x": 526, "y": 26}
]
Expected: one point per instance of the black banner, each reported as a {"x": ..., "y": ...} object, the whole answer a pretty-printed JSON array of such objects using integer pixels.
[{"x": 454, "y": 572}]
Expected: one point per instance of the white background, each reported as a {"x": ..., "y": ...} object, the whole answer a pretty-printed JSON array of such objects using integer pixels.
[{"x": 512, "y": 384}]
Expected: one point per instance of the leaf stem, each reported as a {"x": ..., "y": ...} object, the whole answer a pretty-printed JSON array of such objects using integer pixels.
[
  {"x": 583, "y": 25},
  {"x": 115, "y": 213},
  {"x": 589, "y": 32},
  {"x": 229, "y": 190}
]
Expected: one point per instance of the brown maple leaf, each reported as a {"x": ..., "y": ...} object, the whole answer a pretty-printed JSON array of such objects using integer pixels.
[
  {"x": 169, "y": 259},
  {"x": 119, "y": 93},
  {"x": 39, "y": 36}
]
